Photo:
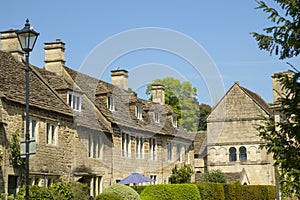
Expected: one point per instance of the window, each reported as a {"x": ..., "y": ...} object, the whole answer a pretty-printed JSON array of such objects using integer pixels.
[
  {"x": 74, "y": 100},
  {"x": 110, "y": 103},
  {"x": 169, "y": 151},
  {"x": 174, "y": 121},
  {"x": 51, "y": 134},
  {"x": 32, "y": 128},
  {"x": 156, "y": 117},
  {"x": 178, "y": 153},
  {"x": 232, "y": 154},
  {"x": 153, "y": 177},
  {"x": 100, "y": 148},
  {"x": 139, "y": 147},
  {"x": 126, "y": 145},
  {"x": 152, "y": 144},
  {"x": 242, "y": 153},
  {"x": 138, "y": 111},
  {"x": 186, "y": 154},
  {"x": 95, "y": 146}
]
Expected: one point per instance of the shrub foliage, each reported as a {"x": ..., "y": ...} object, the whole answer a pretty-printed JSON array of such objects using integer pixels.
[
  {"x": 125, "y": 192},
  {"x": 171, "y": 191}
]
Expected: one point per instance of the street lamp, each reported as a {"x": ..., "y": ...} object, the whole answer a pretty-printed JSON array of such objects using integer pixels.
[{"x": 27, "y": 38}]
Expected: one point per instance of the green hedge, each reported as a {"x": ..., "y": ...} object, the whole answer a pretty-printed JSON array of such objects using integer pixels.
[
  {"x": 249, "y": 192},
  {"x": 139, "y": 188},
  {"x": 125, "y": 192},
  {"x": 171, "y": 192},
  {"x": 108, "y": 196},
  {"x": 211, "y": 191}
]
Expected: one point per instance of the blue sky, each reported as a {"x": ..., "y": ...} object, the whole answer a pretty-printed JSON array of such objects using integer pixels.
[{"x": 220, "y": 28}]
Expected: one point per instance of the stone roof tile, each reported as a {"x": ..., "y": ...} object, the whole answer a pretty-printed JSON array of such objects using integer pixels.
[{"x": 12, "y": 84}]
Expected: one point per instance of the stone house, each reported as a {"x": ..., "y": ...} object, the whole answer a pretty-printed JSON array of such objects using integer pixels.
[
  {"x": 85, "y": 129},
  {"x": 233, "y": 144}
]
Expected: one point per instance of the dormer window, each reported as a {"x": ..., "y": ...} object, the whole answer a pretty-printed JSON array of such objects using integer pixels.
[
  {"x": 174, "y": 121},
  {"x": 138, "y": 111},
  {"x": 156, "y": 117},
  {"x": 110, "y": 103},
  {"x": 74, "y": 100}
]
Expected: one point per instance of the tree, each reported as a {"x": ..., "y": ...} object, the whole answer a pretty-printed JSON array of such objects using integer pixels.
[
  {"x": 284, "y": 36},
  {"x": 283, "y": 138},
  {"x": 181, "y": 96},
  {"x": 215, "y": 176},
  {"x": 181, "y": 175},
  {"x": 204, "y": 111}
]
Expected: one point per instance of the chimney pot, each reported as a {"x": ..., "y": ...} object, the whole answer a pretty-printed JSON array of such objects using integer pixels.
[
  {"x": 10, "y": 43},
  {"x": 158, "y": 93},
  {"x": 55, "y": 56},
  {"x": 119, "y": 78}
]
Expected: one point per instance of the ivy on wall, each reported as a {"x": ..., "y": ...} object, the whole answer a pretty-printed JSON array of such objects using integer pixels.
[{"x": 15, "y": 152}]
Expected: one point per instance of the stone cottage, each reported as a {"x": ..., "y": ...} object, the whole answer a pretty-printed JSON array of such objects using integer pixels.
[
  {"x": 233, "y": 144},
  {"x": 85, "y": 129}
]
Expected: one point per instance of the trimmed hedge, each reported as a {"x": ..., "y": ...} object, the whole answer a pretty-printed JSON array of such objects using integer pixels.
[
  {"x": 125, "y": 192},
  {"x": 138, "y": 188},
  {"x": 211, "y": 191},
  {"x": 108, "y": 196},
  {"x": 171, "y": 192}
]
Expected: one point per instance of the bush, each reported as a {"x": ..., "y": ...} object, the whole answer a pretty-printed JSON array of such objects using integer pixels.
[
  {"x": 171, "y": 192},
  {"x": 249, "y": 192},
  {"x": 35, "y": 192},
  {"x": 108, "y": 196},
  {"x": 70, "y": 191},
  {"x": 211, "y": 191},
  {"x": 181, "y": 175},
  {"x": 139, "y": 188},
  {"x": 215, "y": 176},
  {"x": 126, "y": 192}
]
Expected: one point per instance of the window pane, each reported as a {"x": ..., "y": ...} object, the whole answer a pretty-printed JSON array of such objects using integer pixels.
[
  {"x": 232, "y": 154},
  {"x": 48, "y": 133}
]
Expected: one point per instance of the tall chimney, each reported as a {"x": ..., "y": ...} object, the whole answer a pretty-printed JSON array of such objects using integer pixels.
[
  {"x": 55, "y": 56},
  {"x": 158, "y": 93},
  {"x": 278, "y": 91},
  {"x": 10, "y": 43},
  {"x": 120, "y": 78}
]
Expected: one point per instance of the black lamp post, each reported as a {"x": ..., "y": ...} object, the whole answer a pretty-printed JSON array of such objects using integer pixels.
[{"x": 27, "y": 38}]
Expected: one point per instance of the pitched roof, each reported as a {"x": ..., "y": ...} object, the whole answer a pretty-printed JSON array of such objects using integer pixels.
[
  {"x": 220, "y": 110},
  {"x": 12, "y": 86},
  {"x": 258, "y": 100},
  {"x": 89, "y": 115},
  {"x": 124, "y": 114},
  {"x": 200, "y": 143}
]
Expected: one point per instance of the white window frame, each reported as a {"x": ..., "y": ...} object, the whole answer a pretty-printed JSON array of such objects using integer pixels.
[
  {"x": 51, "y": 133},
  {"x": 138, "y": 111},
  {"x": 174, "y": 120},
  {"x": 126, "y": 145},
  {"x": 170, "y": 151},
  {"x": 152, "y": 147},
  {"x": 100, "y": 148},
  {"x": 156, "y": 117},
  {"x": 74, "y": 100},
  {"x": 33, "y": 128},
  {"x": 110, "y": 102},
  {"x": 178, "y": 153},
  {"x": 139, "y": 147},
  {"x": 153, "y": 177}
]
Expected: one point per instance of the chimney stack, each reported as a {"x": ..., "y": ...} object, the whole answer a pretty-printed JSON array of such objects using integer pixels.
[
  {"x": 119, "y": 78},
  {"x": 10, "y": 43},
  {"x": 55, "y": 56},
  {"x": 158, "y": 93},
  {"x": 278, "y": 91}
]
